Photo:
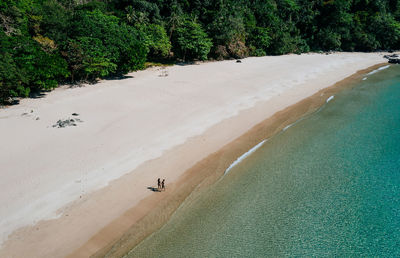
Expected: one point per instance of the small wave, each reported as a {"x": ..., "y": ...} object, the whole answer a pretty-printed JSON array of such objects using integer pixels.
[
  {"x": 287, "y": 127},
  {"x": 364, "y": 78},
  {"x": 379, "y": 69},
  {"x": 383, "y": 67},
  {"x": 330, "y": 98},
  {"x": 249, "y": 152},
  {"x": 245, "y": 155}
]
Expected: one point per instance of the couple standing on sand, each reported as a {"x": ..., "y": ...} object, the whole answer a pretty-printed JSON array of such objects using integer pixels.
[{"x": 160, "y": 185}]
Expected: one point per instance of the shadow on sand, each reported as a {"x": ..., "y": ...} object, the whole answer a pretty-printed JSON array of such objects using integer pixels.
[
  {"x": 118, "y": 77},
  {"x": 38, "y": 94},
  {"x": 153, "y": 189},
  {"x": 186, "y": 63}
]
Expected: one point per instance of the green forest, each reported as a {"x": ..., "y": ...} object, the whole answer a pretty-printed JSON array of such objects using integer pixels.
[{"x": 48, "y": 42}]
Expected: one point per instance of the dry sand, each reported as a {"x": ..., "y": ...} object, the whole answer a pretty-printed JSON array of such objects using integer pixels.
[{"x": 61, "y": 186}]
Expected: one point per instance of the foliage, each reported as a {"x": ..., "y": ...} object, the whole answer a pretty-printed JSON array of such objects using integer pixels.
[
  {"x": 120, "y": 44},
  {"x": 25, "y": 67},
  {"x": 156, "y": 39},
  {"x": 46, "y": 42},
  {"x": 88, "y": 58},
  {"x": 191, "y": 41},
  {"x": 259, "y": 41}
]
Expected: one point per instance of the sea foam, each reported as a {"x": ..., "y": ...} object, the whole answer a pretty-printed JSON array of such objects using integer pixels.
[
  {"x": 249, "y": 152},
  {"x": 379, "y": 69},
  {"x": 245, "y": 155},
  {"x": 287, "y": 127}
]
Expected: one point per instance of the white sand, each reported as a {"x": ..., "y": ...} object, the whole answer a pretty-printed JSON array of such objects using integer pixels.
[{"x": 128, "y": 122}]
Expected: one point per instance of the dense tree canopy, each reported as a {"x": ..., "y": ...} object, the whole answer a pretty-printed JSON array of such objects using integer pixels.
[{"x": 47, "y": 42}]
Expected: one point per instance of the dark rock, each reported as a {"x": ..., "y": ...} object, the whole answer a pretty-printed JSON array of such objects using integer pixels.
[
  {"x": 75, "y": 114},
  {"x": 394, "y": 60},
  {"x": 391, "y": 56},
  {"x": 238, "y": 61},
  {"x": 67, "y": 122}
]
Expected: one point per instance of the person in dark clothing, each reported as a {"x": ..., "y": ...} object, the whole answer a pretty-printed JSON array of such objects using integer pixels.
[
  {"x": 163, "y": 184},
  {"x": 159, "y": 184}
]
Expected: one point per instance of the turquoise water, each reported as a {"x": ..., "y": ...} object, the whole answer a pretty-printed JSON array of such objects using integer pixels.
[{"x": 327, "y": 186}]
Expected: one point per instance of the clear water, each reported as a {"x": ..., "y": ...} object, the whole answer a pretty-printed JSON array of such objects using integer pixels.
[{"x": 327, "y": 186}]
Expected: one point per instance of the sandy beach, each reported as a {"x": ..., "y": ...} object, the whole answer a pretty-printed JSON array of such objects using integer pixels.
[{"x": 76, "y": 190}]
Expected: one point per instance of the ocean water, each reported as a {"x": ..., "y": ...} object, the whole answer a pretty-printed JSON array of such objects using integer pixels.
[{"x": 327, "y": 186}]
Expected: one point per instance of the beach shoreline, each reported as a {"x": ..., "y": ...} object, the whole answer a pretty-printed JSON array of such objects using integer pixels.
[
  {"x": 182, "y": 177},
  {"x": 221, "y": 162}
]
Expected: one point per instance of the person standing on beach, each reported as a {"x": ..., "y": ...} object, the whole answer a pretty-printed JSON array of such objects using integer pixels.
[
  {"x": 159, "y": 184},
  {"x": 163, "y": 184}
]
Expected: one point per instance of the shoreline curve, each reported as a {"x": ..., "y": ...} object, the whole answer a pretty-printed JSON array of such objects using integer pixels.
[{"x": 271, "y": 126}]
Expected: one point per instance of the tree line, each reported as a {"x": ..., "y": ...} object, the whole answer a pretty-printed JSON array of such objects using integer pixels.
[{"x": 47, "y": 42}]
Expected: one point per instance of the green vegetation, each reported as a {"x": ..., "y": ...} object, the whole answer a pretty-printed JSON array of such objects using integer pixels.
[
  {"x": 47, "y": 42},
  {"x": 191, "y": 41}
]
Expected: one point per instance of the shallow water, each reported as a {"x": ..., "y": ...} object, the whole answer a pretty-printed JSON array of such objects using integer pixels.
[{"x": 327, "y": 186}]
